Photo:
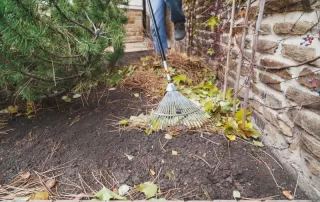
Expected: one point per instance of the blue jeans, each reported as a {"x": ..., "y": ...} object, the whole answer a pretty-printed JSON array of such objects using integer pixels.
[{"x": 159, "y": 9}]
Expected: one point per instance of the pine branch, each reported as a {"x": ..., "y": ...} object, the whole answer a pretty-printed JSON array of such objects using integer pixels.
[
  {"x": 11, "y": 66},
  {"x": 77, "y": 23},
  {"x": 60, "y": 56},
  {"x": 60, "y": 63}
]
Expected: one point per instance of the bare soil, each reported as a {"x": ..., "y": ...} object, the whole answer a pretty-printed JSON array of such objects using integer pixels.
[{"x": 83, "y": 138}]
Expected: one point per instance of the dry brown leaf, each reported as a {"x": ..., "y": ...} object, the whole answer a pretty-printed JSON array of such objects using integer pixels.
[
  {"x": 116, "y": 191},
  {"x": 51, "y": 183},
  {"x": 288, "y": 194},
  {"x": 40, "y": 196},
  {"x": 25, "y": 175}
]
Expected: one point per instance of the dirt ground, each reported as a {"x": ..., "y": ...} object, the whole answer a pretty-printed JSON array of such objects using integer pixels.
[{"x": 82, "y": 141}]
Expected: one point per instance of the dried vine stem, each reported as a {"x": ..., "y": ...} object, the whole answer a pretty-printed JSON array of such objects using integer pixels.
[
  {"x": 254, "y": 49},
  {"x": 288, "y": 66},
  {"x": 229, "y": 49},
  {"x": 240, "y": 62}
]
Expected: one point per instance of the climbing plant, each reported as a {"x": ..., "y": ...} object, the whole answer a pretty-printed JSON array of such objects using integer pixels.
[{"x": 48, "y": 47}]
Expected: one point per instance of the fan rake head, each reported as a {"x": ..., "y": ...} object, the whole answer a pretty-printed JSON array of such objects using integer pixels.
[{"x": 175, "y": 109}]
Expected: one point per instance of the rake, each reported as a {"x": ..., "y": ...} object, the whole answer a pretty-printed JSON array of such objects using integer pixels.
[{"x": 174, "y": 109}]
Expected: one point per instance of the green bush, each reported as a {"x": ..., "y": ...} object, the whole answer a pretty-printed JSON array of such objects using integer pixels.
[{"x": 51, "y": 46}]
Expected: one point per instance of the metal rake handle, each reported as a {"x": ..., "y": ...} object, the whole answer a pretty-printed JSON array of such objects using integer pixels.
[{"x": 164, "y": 61}]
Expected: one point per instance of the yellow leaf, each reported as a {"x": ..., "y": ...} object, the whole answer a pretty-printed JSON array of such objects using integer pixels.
[
  {"x": 152, "y": 172},
  {"x": 136, "y": 95},
  {"x": 123, "y": 122},
  {"x": 231, "y": 137},
  {"x": 40, "y": 196},
  {"x": 12, "y": 109},
  {"x": 175, "y": 153},
  {"x": 169, "y": 175},
  {"x": 288, "y": 194}
]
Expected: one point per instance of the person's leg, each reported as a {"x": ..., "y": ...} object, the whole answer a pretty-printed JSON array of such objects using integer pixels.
[
  {"x": 159, "y": 9},
  {"x": 177, "y": 15},
  {"x": 178, "y": 18}
]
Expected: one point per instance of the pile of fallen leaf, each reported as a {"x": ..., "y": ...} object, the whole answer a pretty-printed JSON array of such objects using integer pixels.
[
  {"x": 195, "y": 81},
  {"x": 149, "y": 76}
]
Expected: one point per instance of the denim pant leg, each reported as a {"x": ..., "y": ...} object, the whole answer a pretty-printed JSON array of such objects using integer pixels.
[
  {"x": 175, "y": 7},
  {"x": 159, "y": 9}
]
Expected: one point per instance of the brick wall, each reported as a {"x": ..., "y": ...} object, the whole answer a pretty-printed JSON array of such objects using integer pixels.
[
  {"x": 134, "y": 28},
  {"x": 286, "y": 102}
]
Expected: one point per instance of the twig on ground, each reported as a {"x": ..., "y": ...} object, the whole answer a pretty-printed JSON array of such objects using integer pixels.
[
  {"x": 43, "y": 183},
  {"x": 209, "y": 140},
  {"x": 83, "y": 182},
  {"x": 157, "y": 176},
  {"x": 187, "y": 193},
  {"x": 162, "y": 146},
  {"x": 272, "y": 158},
  {"x": 97, "y": 179},
  {"x": 295, "y": 189},
  {"x": 206, "y": 193},
  {"x": 103, "y": 94},
  {"x": 274, "y": 179},
  {"x": 202, "y": 160},
  {"x": 229, "y": 151},
  {"x": 261, "y": 199}
]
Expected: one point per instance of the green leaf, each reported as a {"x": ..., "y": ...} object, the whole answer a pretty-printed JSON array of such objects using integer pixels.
[
  {"x": 258, "y": 143},
  {"x": 149, "y": 189},
  {"x": 179, "y": 78},
  {"x": 225, "y": 106},
  {"x": 255, "y": 134},
  {"x": 187, "y": 91},
  {"x": 239, "y": 114},
  {"x": 208, "y": 106},
  {"x": 105, "y": 195},
  {"x": 229, "y": 94},
  {"x": 212, "y": 22},
  {"x": 236, "y": 194},
  {"x": 249, "y": 126},
  {"x": 116, "y": 78},
  {"x": 66, "y": 99},
  {"x": 210, "y": 51},
  {"x": 136, "y": 95},
  {"x": 76, "y": 96}
]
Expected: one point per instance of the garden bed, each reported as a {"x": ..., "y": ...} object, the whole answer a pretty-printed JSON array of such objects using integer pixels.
[{"x": 82, "y": 148}]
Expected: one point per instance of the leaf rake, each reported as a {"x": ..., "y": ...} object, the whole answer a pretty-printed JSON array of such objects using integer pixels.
[{"x": 174, "y": 109}]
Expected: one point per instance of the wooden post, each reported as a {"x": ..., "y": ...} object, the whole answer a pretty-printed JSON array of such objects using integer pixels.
[
  {"x": 251, "y": 69},
  {"x": 240, "y": 62},
  {"x": 229, "y": 49}
]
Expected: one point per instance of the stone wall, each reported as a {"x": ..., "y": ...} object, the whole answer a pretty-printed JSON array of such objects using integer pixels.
[
  {"x": 134, "y": 28},
  {"x": 286, "y": 101}
]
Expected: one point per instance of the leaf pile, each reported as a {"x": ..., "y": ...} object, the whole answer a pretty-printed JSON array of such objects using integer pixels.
[
  {"x": 147, "y": 74},
  {"x": 196, "y": 82}
]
